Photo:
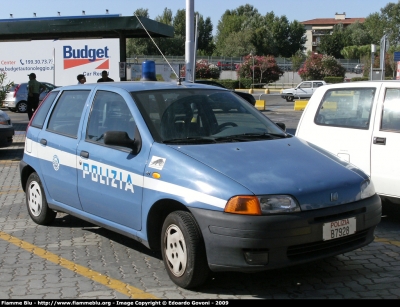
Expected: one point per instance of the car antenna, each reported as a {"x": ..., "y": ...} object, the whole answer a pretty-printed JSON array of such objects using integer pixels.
[{"x": 179, "y": 78}]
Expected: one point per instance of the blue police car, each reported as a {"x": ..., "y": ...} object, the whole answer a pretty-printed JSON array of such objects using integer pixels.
[{"x": 196, "y": 172}]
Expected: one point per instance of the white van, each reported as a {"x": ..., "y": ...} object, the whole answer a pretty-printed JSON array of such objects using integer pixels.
[{"x": 360, "y": 123}]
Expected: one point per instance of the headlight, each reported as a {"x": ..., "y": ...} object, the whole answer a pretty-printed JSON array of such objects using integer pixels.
[
  {"x": 271, "y": 204},
  {"x": 259, "y": 205},
  {"x": 367, "y": 189}
]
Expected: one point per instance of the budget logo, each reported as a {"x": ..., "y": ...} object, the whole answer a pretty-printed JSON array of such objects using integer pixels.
[{"x": 77, "y": 57}]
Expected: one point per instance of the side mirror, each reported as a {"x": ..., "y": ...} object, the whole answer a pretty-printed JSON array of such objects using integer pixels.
[
  {"x": 121, "y": 138},
  {"x": 282, "y": 126}
]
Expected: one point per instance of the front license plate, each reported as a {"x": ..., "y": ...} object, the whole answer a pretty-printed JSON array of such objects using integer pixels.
[{"x": 338, "y": 229}]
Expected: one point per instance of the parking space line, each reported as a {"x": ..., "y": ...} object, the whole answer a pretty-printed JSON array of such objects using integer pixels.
[
  {"x": 105, "y": 280},
  {"x": 387, "y": 241}
]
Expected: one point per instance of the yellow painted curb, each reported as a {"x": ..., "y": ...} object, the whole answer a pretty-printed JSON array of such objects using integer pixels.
[
  {"x": 300, "y": 105},
  {"x": 387, "y": 241}
]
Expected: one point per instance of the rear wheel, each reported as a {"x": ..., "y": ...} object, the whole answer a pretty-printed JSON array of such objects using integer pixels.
[
  {"x": 183, "y": 250},
  {"x": 22, "y": 107},
  {"x": 36, "y": 202}
]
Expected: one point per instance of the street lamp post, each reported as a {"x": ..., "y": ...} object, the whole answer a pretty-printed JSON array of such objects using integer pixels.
[
  {"x": 373, "y": 49},
  {"x": 252, "y": 55}
]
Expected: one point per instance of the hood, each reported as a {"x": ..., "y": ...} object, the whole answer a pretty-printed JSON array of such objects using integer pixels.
[{"x": 285, "y": 166}]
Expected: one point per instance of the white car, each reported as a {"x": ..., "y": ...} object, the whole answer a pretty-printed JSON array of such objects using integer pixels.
[
  {"x": 360, "y": 123},
  {"x": 17, "y": 96},
  {"x": 304, "y": 89}
]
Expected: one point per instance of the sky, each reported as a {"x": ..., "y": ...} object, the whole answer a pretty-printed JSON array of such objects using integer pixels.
[{"x": 300, "y": 10}]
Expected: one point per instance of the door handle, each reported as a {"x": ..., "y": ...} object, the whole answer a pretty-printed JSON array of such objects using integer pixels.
[
  {"x": 43, "y": 141},
  {"x": 84, "y": 154},
  {"x": 379, "y": 141}
]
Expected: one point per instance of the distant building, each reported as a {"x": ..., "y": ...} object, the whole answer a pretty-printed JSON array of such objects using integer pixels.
[{"x": 316, "y": 28}]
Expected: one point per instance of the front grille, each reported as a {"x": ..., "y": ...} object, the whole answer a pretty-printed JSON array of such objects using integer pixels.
[{"x": 298, "y": 252}]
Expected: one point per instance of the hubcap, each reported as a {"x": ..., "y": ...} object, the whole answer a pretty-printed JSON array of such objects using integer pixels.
[
  {"x": 22, "y": 107},
  {"x": 34, "y": 196},
  {"x": 175, "y": 250}
]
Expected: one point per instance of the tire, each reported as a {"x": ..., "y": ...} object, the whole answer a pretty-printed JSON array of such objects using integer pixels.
[
  {"x": 22, "y": 107},
  {"x": 183, "y": 250},
  {"x": 36, "y": 202},
  {"x": 289, "y": 98}
]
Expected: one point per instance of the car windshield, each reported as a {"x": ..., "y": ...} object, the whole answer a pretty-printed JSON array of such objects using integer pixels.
[{"x": 199, "y": 116}]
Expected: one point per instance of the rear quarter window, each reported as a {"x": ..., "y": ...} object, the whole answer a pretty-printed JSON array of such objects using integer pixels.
[
  {"x": 43, "y": 110},
  {"x": 348, "y": 108}
]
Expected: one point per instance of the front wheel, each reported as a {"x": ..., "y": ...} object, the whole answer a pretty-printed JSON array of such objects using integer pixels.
[
  {"x": 289, "y": 98},
  {"x": 36, "y": 202},
  {"x": 183, "y": 250}
]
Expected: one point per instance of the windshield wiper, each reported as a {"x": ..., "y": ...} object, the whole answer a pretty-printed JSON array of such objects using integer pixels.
[{"x": 191, "y": 140}]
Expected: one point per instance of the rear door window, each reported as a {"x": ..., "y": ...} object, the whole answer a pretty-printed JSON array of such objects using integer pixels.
[
  {"x": 350, "y": 108},
  {"x": 41, "y": 113},
  {"x": 67, "y": 113},
  {"x": 391, "y": 111}
]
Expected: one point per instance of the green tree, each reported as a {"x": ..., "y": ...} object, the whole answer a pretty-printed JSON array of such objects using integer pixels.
[
  {"x": 238, "y": 44},
  {"x": 138, "y": 46},
  {"x": 233, "y": 21},
  {"x": 357, "y": 35},
  {"x": 390, "y": 18},
  {"x": 180, "y": 23},
  {"x": 268, "y": 34},
  {"x": 356, "y": 52},
  {"x": 172, "y": 45},
  {"x": 333, "y": 44},
  {"x": 205, "y": 40},
  {"x": 287, "y": 37},
  {"x": 297, "y": 59},
  {"x": 166, "y": 17}
]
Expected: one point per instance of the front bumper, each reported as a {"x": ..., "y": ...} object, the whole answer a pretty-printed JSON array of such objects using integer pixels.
[{"x": 287, "y": 239}]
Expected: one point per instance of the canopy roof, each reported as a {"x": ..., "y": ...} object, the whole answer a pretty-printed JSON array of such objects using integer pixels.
[{"x": 90, "y": 26}]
